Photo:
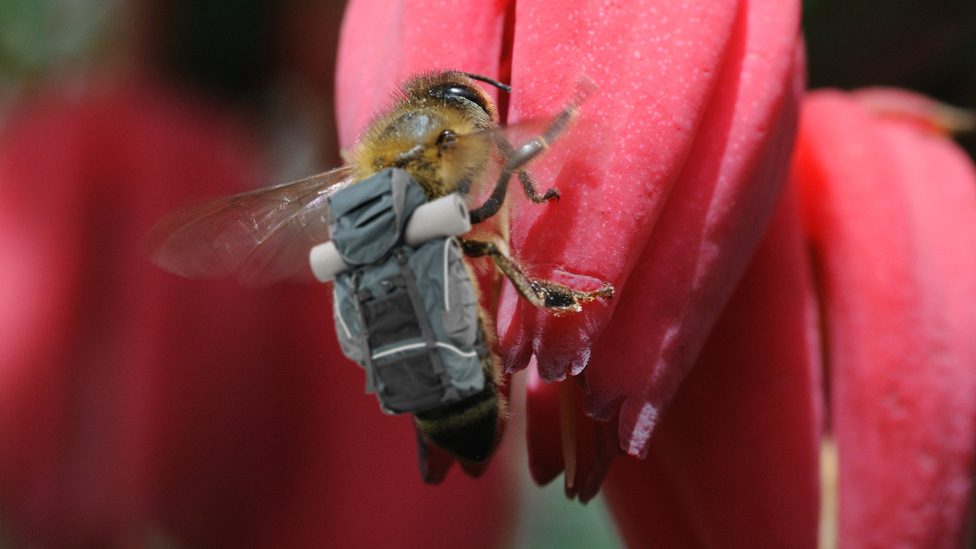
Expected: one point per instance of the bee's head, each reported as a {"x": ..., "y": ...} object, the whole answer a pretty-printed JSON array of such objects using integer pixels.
[{"x": 427, "y": 132}]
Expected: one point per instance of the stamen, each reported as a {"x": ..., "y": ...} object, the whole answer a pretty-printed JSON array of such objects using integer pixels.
[
  {"x": 829, "y": 507},
  {"x": 567, "y": 426},
  {"x": 928, "y": 113}
]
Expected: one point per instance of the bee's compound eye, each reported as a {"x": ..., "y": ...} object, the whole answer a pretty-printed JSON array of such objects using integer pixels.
[
  {"x": 458, "y": 90},
  {"x": 451, "y": 91},
  {"x": 447, "y": 139}
]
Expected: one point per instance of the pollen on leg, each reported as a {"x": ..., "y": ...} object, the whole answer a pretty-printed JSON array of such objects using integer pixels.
[{"x": 560, "y": 299}]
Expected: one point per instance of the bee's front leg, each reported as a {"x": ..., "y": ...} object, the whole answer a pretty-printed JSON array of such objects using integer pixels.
[
  {"x": 517, "y": 158},
  {"x": 529, "y": 187},
  {"x": 540, "y": 293},
  {"x": 517, "y": 161}
]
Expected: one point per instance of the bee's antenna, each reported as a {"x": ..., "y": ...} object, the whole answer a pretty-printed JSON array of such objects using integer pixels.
[{"x": 487, "y": 80}]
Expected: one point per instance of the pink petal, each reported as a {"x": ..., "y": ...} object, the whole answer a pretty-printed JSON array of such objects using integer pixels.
[
  {"x": 890, "y": 211},
  {"x": 655, "y": 65},
  {"x": 707, "y": 230},
  {"x": 551, "y": 410},
  {"x": 542, "y": 428},
  {"x": 734, "y": 461}
]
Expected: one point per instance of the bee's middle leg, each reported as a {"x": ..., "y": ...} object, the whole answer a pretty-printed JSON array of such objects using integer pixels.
[{"x": 540, "y": 293}]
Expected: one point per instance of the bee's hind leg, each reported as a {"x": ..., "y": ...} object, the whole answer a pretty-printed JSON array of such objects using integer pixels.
[{"x": 540, "y": 293}]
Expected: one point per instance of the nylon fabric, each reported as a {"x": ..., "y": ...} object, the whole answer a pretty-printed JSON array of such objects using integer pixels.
[{"x": 378, "y": 324}]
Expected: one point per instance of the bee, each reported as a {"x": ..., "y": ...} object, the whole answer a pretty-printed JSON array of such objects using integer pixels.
[{"x": 444, "y": 130}]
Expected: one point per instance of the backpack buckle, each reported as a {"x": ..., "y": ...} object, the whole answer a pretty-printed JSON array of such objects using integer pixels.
[{"x": 393, "y": 283}]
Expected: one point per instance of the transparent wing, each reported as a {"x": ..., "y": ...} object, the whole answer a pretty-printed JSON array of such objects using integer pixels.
[{"x": 259, "y": 237}]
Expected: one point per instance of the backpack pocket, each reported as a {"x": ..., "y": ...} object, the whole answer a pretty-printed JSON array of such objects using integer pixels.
[
  {"x": 406, "y": 378},
  {"x": 460, "y": 319},
  {"x": 408, "y": 383},
  {"x": 390, "y": 319},
  {"x": 348, "y": 342}
]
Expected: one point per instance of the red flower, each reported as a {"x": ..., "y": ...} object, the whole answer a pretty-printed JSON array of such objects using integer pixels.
[
  {"x": 679, "y": 84},
  {"x": 734, "y": 461},
  {"x": 668, "y": 185},
  {"x": 890, "y": 216}
]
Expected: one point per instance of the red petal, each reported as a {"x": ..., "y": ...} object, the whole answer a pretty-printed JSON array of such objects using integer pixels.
[
  {"x": 625, "y": 155},
  {"x": 701, "y": 243},
  {"x": 596, "y": 447},
  {"x": 593, "y": 444},
  {"x": 542, "y": 428},
  {"x": 734, "y": 461},
  {"x": 891, "y": 215}
]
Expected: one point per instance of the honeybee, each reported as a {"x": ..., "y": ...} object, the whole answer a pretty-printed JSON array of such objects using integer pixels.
[{"x": 443, "y": 130}]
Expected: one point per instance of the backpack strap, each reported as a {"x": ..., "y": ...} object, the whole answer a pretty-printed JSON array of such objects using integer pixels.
[
  {"x": 367, "y": 352},
  {"x": 450, "y": 391}
]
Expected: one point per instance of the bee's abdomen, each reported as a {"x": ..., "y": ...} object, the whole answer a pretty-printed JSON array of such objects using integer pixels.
[{"x": 466, "y": 429}]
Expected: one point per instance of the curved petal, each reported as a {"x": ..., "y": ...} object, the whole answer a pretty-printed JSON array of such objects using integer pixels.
[
  {"x": 561, "y": 437},
  {"x": 655, "y": 65},
  {"x": 734, "y": 461},
  {"x": 542, "y": 428},
  {"x": 707, "y": 230},
  {"x": 891, "y": 212}
]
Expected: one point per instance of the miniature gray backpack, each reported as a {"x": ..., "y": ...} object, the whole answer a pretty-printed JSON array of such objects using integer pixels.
[{"x": 409, "y": 316}]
